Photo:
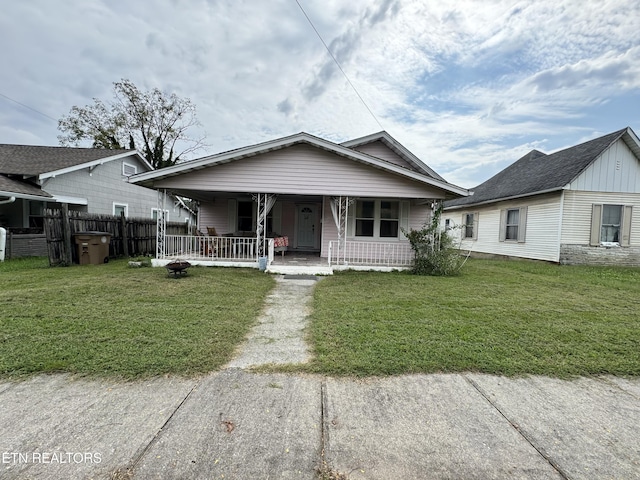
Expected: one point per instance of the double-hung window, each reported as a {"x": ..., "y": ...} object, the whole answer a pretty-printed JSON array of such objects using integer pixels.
[
  {"x": 513, "y": 222},
  {"x": 377, "y": 219},
  {"x": 470, "y": 226},
  {"x": 610, "y": 225}
]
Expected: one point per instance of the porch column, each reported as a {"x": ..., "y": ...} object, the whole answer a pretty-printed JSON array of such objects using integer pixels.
[
  {"x": 265, "y": 203},
  {"x": 340, "y": 210},
  {"x": 161, "y": 225}
]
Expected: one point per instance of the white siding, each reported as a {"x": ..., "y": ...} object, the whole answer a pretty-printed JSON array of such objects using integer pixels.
[
  {"x": 542, "y": 228},
  {"x": 576, "y": 216},
  {"x": 380, "y": 150},
  {"x": 616, "y": 170},
  {"x": 301, "y": 170}
]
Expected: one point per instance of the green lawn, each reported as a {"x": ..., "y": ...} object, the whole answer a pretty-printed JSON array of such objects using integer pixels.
[
  {"x": 112, "y": 320},
  {"x": 508, "y": 318}
]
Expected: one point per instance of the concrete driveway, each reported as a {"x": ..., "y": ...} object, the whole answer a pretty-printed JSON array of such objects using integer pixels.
[{"x": 238, "y": 425}]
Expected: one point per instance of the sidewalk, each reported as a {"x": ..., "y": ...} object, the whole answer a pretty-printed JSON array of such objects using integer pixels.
[{"x": 234, "y": 424}]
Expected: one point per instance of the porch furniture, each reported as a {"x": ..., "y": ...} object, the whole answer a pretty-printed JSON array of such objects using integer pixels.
[{"x": 280, "y": 244}]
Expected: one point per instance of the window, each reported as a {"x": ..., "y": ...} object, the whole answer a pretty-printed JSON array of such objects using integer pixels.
[
  {"x": 154, "y": 214},
  {"x": 611, "y": 220},
  {"x": 610, "y": 225},
  {"x": 377, "y": 218},
  {"x": 469, "y": 226},
  {"x": 120, "y": 208},
  {"x": 128, "y": 169},
  {"x": 365, "y": 218},
  {"x": 513, "y": 223},
  {"x": 245, "y": 216}
]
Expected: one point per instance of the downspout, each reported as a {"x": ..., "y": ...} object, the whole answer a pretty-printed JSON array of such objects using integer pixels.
[{"x": 9, "y": 200}]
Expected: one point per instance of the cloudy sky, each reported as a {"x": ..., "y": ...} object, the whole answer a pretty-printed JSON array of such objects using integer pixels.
[{"x": 468, "y": 86}]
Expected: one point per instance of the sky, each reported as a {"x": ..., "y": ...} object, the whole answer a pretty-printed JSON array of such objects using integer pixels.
[{"x": 468, "y": 86}]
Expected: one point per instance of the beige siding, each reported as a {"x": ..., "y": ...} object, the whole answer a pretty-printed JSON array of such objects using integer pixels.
[
  {"x": 616, "y": 170},
  {"x": 542, "y": 228},
  {"x": 380, "y": 150},
  {"x": 576, "y": 216},
  {"x": 301, "y": 170}
]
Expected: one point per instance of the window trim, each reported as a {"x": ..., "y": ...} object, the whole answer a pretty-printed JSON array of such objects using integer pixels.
[
  {"x": 403, "y": 219},
  {"x": 626, "y": 218},
  {"x": 118, "y": 204},
  {"x": 155, "y": 210},
  {"x": 521, "y": 226},
  {"x": 473, "y": 225}
]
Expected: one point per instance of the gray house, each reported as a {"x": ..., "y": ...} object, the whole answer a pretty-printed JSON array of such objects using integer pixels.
[
  {"x": 580, "y": 205},
  {"x": 91, "y": 180}
]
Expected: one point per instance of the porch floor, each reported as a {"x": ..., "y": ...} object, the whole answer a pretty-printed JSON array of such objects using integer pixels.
[{"x": 300, "y": 263}]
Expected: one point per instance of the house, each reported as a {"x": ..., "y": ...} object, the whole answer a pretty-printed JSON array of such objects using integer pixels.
[
  {"x": 580, "y": 205},
  {"x": 342, "y": 205},
  {"x": 91, "y": 180}
]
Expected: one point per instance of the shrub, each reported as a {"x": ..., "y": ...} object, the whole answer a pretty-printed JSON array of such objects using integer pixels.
[{"x": 435, "y": 250}]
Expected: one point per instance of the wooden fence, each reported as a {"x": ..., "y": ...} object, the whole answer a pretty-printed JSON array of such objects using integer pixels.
[{"x": 129, "y": 236}]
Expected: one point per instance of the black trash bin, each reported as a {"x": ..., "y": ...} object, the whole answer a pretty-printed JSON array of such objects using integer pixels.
[{"x": 93, "y": 247}]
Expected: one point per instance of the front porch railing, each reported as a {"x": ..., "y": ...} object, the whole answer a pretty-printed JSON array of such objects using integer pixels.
[
  {"x": 371, "y": 253},
  {"x": 190, "y": 247}
]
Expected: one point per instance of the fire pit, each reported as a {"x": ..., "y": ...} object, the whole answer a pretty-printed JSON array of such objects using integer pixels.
[{"x": 177, "y": 267}]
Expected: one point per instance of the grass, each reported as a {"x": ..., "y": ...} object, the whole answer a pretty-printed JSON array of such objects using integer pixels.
[
  {"x": 509, "y": 318},
  {"x": 111, "y": 320}
]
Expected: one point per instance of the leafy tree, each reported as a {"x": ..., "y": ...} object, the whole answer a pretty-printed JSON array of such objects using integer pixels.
[{"x": 154, "y": 122}]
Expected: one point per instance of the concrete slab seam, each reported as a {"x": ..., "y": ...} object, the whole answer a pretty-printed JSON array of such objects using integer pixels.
[
  {"x": 155, "y": 438},
  {"x": 518, "y": 429}
]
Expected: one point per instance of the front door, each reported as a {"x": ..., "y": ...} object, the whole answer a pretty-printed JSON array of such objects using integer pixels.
[{"x": 306, "y": 230}]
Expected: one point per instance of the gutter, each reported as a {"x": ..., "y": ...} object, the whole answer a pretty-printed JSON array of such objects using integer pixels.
[
  {"x": 502, "y": 199},
  {"x": 9, "y": 200}
]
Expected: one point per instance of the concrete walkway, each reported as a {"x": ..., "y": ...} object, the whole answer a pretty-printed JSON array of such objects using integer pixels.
[
  {"x": 235, "y": 424},
  {"x": 279, "y": 336}
]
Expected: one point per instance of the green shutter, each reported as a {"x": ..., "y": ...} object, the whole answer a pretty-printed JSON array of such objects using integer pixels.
[
  {"x": 627, "y": 211},
  {"x": 596, "y": 224}
]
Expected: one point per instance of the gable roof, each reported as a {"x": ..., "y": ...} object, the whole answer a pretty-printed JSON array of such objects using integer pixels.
[
  {"x": 537, "y": 173},
  {"x": 299, "y": 138},
  {"x": 15, "y": 188},
  {"x": 395, "y": 147},
  {"x": 35, "y": 160}
]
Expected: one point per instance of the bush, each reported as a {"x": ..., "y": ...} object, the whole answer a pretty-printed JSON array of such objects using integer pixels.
[{"x": 435, "y": 251}]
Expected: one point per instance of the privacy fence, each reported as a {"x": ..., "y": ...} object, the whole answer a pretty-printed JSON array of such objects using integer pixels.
[{"x": 129, "y": 236}]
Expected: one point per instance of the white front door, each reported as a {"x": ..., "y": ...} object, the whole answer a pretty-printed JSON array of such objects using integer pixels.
[{"x": 306, "y": 229}]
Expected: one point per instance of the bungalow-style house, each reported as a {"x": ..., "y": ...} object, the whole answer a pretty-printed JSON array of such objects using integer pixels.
[
  {"x": 91, "y": 180},
  {"x": 306, "y": 198},
  {"x": 580, "y": 205}
]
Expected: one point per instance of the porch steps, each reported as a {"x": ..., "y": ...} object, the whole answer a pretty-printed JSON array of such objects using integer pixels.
[{"x": 300, "y": 269}]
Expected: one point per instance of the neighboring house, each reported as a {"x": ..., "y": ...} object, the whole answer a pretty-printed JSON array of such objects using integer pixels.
[
  {"x": 91, "y": 180},
  {"x": 343, "y": 203},
  {"x": 580, "y": 205}
]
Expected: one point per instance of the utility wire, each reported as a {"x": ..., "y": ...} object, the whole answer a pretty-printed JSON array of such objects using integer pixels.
[
  {"x": 27, "y": 106},
  {"x": 338, "y": 64}
]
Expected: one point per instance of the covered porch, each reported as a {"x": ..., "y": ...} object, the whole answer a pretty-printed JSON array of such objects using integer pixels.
[{"x": 314, "y": 236}]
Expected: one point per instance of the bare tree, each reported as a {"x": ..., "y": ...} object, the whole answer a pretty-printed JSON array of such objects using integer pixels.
[{"x": 154, "y": 122}]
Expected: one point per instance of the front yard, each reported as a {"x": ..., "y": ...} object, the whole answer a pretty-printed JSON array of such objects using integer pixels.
[
  {"x": 507, "y": 318},
  {"x": 111, "y": 320}
]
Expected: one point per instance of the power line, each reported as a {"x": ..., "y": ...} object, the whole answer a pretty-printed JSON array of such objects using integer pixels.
[
  {"x": 338, "y": 64},
  {"x": 27, "y": 106}
]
